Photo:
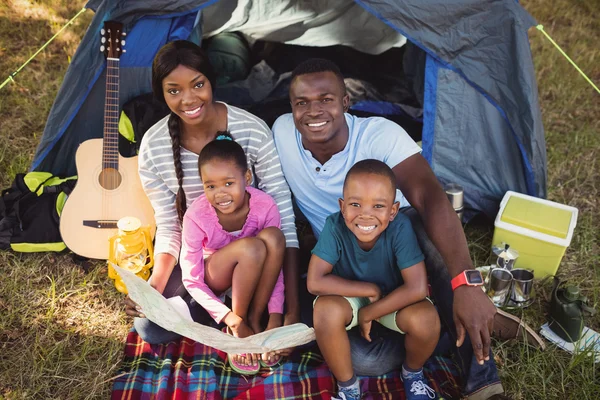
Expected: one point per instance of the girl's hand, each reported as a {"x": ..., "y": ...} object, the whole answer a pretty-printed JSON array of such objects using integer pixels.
[{"x": 241, "y": 330}]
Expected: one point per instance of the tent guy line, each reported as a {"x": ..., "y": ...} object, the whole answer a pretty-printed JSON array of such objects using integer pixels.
[{"x": 12, "y": 76}]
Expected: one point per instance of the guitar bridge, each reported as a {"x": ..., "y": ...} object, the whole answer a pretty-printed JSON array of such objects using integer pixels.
[{"x": 101, "y": 224}]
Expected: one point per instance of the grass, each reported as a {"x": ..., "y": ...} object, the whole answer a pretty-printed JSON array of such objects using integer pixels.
[{"x": 62, "y": 330}]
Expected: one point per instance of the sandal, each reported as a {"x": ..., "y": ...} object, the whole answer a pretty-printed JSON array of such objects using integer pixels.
[
  {"x": 241, "y": 368},
  {"x": 238, "y": 367},
  {"x": 270, "y": 364}
]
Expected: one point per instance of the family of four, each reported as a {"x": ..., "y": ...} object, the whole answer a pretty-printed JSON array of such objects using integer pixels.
[{"x": 389, "y": 243}]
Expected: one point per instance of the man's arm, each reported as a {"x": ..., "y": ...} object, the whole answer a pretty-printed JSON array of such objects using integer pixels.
[
  {"x": 473, "y": 311},
  {"x": 321, "y": 282}
]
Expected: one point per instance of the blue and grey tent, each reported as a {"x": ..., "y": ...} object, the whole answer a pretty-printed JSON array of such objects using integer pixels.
[{"x": 476, "y": 106}]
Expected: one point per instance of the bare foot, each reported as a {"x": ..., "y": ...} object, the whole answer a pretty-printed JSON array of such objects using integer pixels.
[
  {"x": 254, "y": 323},
  {"x": 242, "y": 331},
  {"x": 275, "y": 321}
]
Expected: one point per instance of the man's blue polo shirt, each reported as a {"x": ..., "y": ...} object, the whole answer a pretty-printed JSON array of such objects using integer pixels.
[{"x": 317, "y": 187}]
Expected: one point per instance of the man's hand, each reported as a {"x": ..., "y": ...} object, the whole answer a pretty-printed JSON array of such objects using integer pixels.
[
  {"x": 132, "y": 308},
  {"x": 365, "y": 326},
  {"x": 474, "y": 313}
]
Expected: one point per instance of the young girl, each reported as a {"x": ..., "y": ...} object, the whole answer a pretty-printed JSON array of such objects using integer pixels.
[{"x": 232, "y": 244}]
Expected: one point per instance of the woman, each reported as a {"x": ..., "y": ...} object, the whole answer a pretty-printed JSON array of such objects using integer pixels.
[{"x": 183, "y": 78}]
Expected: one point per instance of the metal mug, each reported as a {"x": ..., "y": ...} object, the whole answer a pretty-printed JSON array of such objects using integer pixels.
[
  {"x": 455, "y": 195},
  {"x": 499, "y": 286},
  {"x": 522, "y": 286}
]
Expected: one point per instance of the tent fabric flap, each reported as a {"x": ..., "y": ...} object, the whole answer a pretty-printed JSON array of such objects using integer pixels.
[
  {"x": 486, "y": 43},
  {"x": 482, "y": 124}
]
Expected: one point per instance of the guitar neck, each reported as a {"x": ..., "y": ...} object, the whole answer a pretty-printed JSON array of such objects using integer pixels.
[{"x": 110, "y": 148}]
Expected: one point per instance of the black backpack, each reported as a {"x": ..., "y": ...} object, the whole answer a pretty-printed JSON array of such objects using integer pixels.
[{"x": 30, "y": 211}]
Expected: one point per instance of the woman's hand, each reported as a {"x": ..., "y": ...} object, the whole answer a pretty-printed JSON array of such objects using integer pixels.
[{"x": 132, "y": 308}]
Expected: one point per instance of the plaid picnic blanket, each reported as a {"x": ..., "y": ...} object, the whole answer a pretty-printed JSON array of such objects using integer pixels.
[{"x": 191, "y": 370}]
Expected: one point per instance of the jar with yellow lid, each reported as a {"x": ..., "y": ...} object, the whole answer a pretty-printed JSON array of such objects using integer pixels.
[{"x": 131, "y": 249}]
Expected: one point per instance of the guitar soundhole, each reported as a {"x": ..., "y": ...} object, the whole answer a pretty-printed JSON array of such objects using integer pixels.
[{"x": 110, "y": 178}]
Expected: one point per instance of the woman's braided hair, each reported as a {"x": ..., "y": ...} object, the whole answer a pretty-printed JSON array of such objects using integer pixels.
[
  {"x": 175, "y": 133},
  {"x": 168, "y": 58}
]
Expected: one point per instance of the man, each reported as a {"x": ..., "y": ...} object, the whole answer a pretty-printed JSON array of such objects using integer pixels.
[{"x": 318, "y": 143}]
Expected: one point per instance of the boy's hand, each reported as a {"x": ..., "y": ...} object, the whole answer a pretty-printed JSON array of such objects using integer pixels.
[
  {"x": 376, "y": 293},
  {"x": 365, "y": 326}
]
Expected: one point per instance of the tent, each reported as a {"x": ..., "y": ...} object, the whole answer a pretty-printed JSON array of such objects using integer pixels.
[{"x": 477, "y": 111}]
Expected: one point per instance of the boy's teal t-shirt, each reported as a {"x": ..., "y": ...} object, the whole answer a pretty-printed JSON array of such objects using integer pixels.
[{"x": 397, "y": 248}]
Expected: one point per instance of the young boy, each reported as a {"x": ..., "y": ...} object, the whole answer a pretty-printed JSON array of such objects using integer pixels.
[{"x": 367, "y": 266}]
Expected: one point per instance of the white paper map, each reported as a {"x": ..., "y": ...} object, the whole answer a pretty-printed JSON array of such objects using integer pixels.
[
  {"x": 160, "y": 311},
  {"x": 589, "y": 342}
]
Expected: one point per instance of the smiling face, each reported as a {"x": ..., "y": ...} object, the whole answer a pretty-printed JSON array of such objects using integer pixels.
[
  {"x": 225, "y": 185},
  {"x": 368, "y": 206},
  {"x": 188, "y": 94},
  {"x": 319, "y": 101}
]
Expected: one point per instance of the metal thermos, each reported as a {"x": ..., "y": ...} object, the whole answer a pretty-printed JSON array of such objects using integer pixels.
[{"x": 455, "y": 194}]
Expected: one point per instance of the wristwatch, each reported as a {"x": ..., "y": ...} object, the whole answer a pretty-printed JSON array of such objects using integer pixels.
[{"x": 469, "y": 277}]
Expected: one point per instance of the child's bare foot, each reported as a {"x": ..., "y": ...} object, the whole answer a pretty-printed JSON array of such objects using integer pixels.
[
  {"x": 275, "y": 321},
  {"x": 241, "y": 331},
  {"x": 254, "y": 323}
]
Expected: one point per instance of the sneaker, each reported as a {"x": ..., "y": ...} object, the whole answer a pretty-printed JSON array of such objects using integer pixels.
[
  {"x": 350, "y": 395},
  {"x": 416, "y": 387},
  {"x": 508, "y": 326}
]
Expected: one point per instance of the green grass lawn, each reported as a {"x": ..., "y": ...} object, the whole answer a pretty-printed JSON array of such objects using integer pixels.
[{"x": 62, "y": 330}]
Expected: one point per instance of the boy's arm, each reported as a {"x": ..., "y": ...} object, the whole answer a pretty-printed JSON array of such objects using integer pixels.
[
  {"x": 321, "y": 281},
  {"x": 412, "y": 291}
]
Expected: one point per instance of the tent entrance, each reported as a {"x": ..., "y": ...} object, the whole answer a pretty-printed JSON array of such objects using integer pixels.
[{"x": 389, "y": 84}]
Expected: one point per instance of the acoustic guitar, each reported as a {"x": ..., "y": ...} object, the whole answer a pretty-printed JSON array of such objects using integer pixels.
[{"x": 108, "y": 186}]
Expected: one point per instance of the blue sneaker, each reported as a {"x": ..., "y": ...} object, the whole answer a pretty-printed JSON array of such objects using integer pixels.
[
  {"x": 351, "y": 394},
  {"x": 416, "y": 387}
]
